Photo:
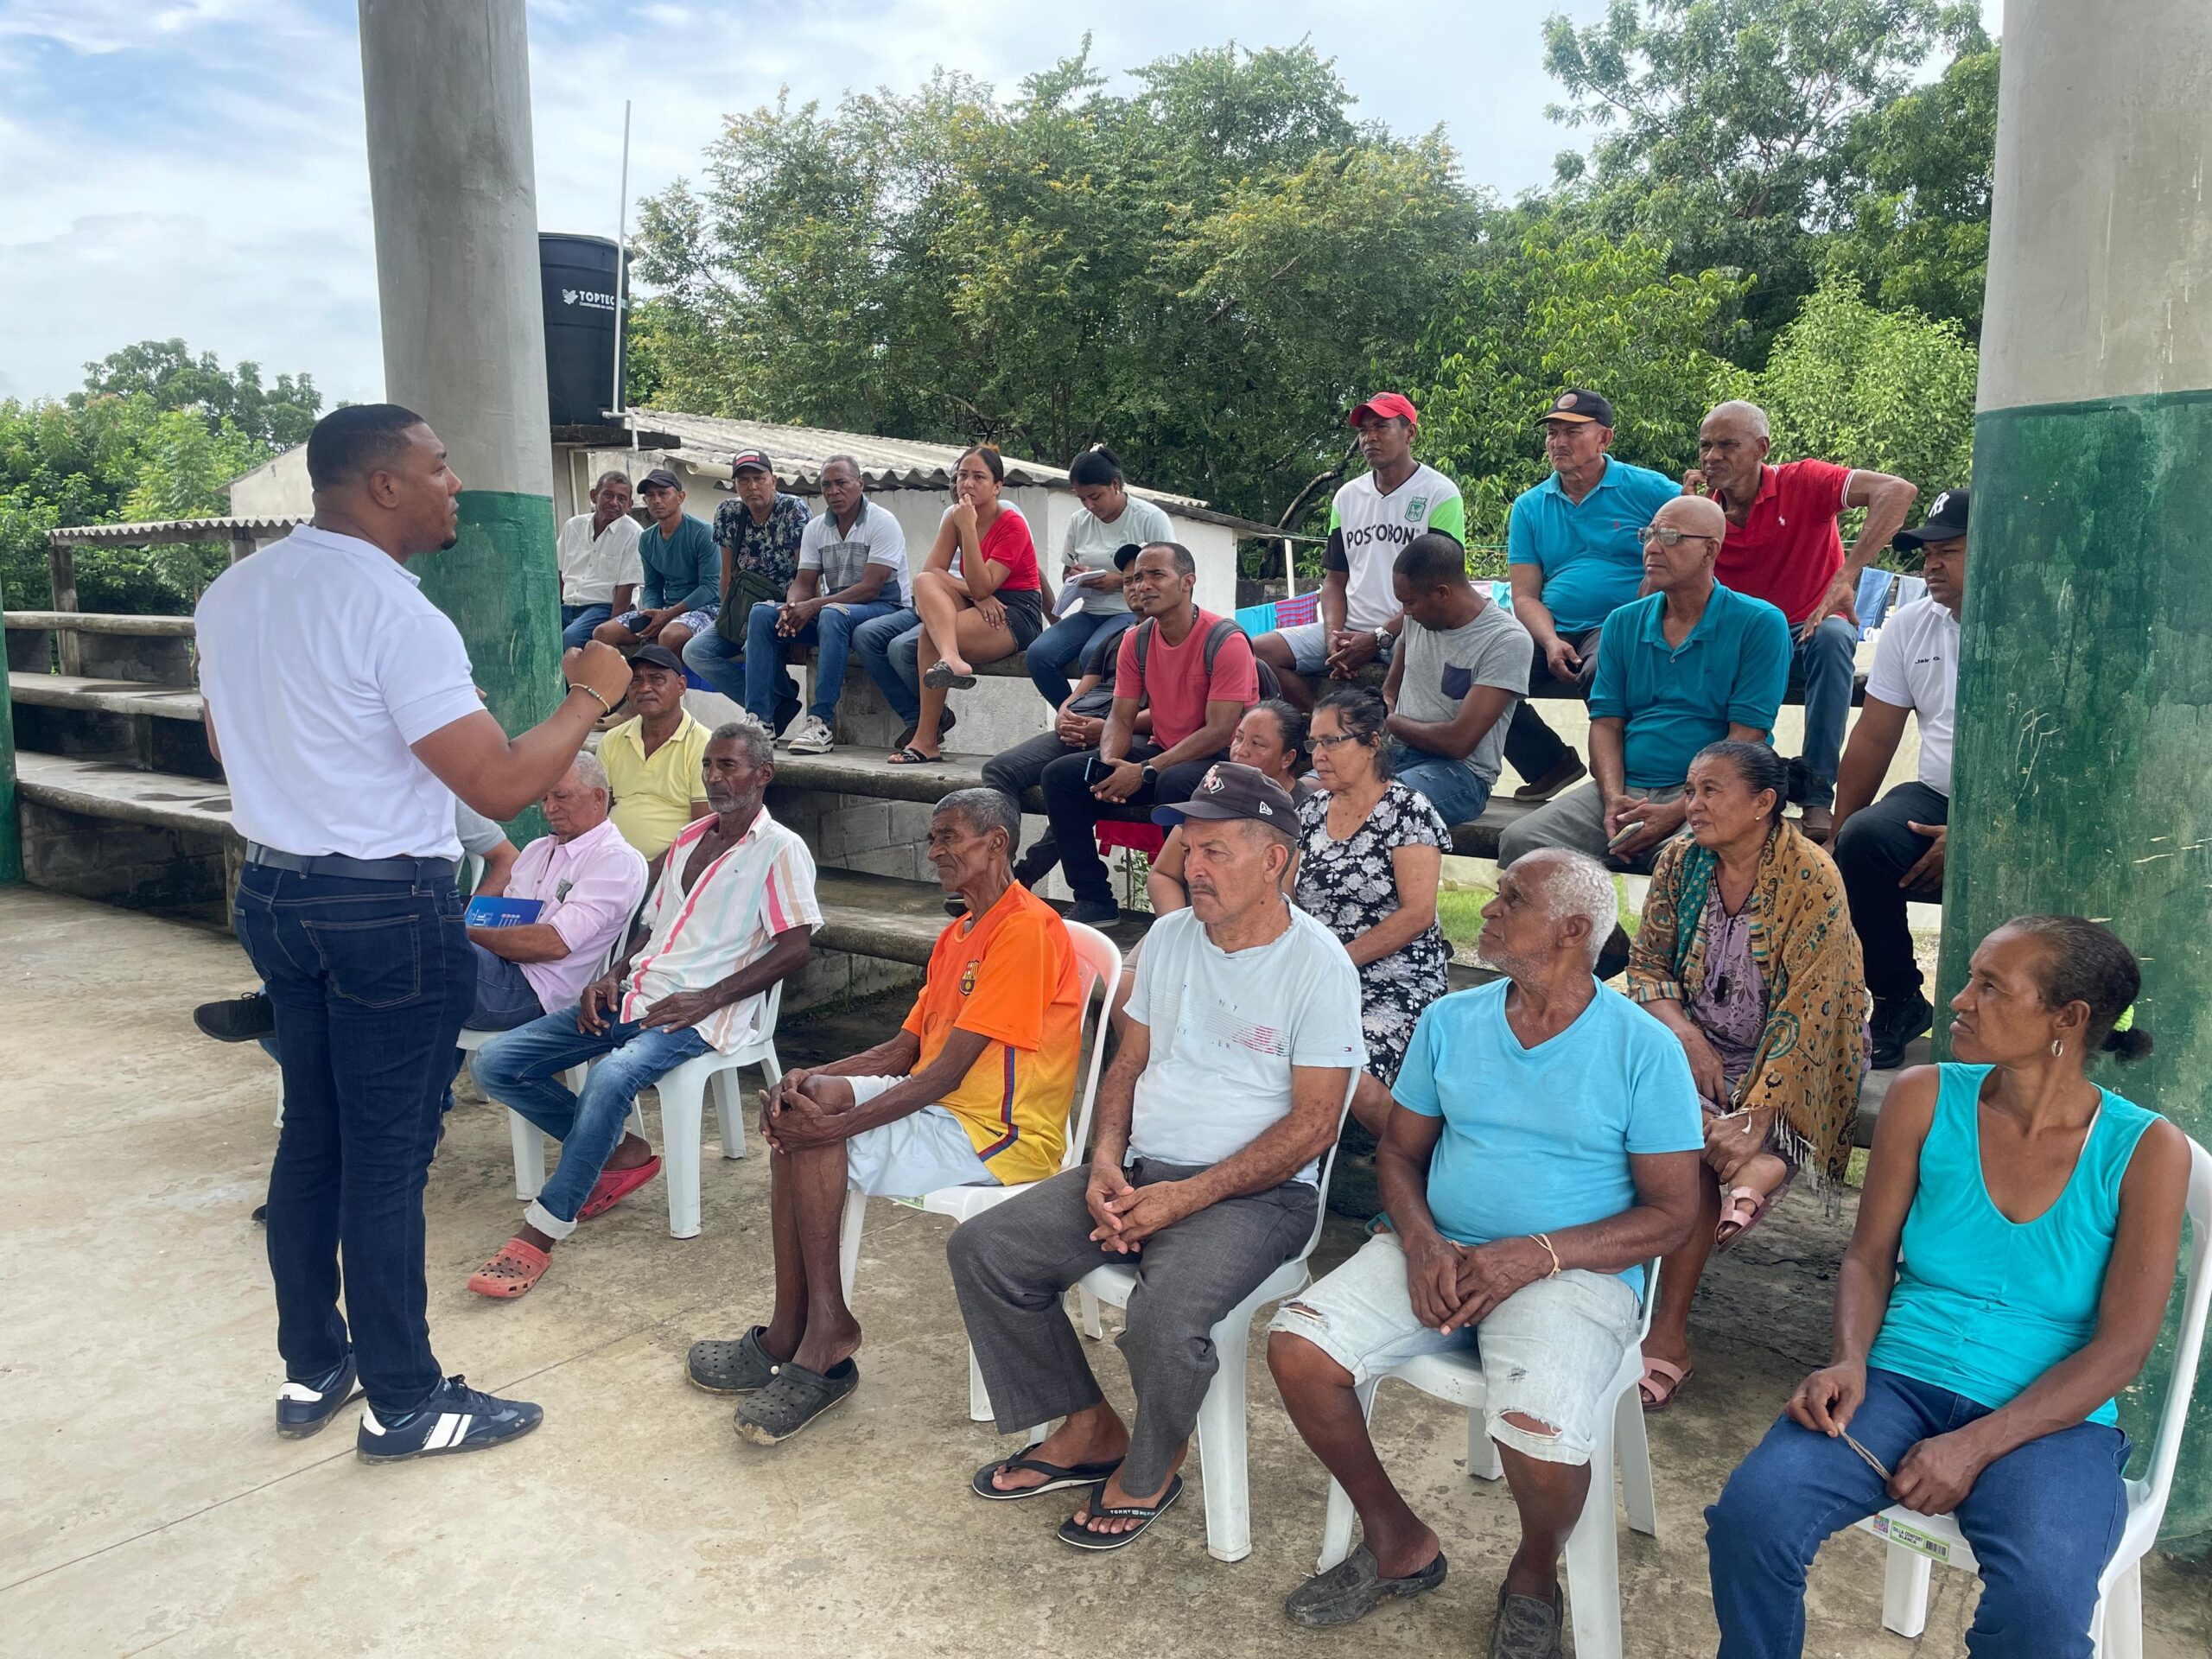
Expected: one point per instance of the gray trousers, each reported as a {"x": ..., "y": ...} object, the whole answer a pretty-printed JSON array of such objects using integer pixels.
[
  {"x": 1576, "y": 819},
  {"x": 1012, "y": 1264}
]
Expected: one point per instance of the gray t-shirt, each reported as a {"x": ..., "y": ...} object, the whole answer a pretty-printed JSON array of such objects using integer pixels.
[
  {"x": 1090, "y": 543},
  {"x": 1227, "y": 1028},
  {"x": 1442, "y": 668}
]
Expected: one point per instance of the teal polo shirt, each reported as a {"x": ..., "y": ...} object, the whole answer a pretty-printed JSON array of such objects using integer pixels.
[
  {"x": 1673, "y": 700},
  {"x": 1587, "y": 550}
]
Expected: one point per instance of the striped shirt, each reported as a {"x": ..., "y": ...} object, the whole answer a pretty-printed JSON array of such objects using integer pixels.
[{"x": 762, "y": 887}]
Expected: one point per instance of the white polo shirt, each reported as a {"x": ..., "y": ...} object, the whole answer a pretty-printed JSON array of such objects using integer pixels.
[
  {"x": 593, "y": 567},
  {"x": 1917, "y": 667},
  {"x": 876, "y": 538},
  {"x": 320, "y": 663}
]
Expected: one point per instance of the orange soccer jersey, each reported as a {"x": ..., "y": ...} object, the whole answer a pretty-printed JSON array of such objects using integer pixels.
[{"x": 1010, "y": 976}]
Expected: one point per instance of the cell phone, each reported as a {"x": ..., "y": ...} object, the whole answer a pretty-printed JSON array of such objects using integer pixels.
[
  {"x": 1621, "y": 839},
  {"x": 1094, "y": 769}
]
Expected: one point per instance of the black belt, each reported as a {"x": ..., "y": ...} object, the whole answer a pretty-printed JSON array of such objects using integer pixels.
[{"x": 418, "y": 872}]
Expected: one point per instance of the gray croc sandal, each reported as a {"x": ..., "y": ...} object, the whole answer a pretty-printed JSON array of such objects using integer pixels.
[
  {"x": 721, "y": 1366},
  {"x": 1354, "y": 1587},
  {"x": 795, "y": 1397},
  {"x": 1145, "y": 1514}
]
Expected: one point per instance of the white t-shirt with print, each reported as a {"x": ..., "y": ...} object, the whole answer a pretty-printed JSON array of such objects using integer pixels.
[
  {"x": 1226, "y": 1029},
  {"x": 1917, "y": 667},
  {"x": 1373, "y": 528}
]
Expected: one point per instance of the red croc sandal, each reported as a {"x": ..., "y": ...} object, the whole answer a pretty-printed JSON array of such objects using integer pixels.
[
  {"x": 519, "y": 1265},
  {"x": 615, "y": 1185}
]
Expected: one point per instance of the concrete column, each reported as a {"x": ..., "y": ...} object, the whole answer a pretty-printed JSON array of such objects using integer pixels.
[
  {"x": 447, "y": 89},
  {"x": 2084, "y": 761}
]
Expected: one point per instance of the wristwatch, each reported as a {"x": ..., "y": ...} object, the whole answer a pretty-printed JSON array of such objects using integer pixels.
[
  {"x": 1151, "y": 773},
  {"x": 1382, "y": 638}
]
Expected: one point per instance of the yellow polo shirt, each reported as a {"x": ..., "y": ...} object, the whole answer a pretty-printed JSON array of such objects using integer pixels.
[{"x": 653, "y": 792}]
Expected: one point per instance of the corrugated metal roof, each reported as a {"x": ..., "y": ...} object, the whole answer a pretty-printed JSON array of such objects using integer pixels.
[
  {"x": 160, "y": 531},
  {"x": 885, "y": 463}
]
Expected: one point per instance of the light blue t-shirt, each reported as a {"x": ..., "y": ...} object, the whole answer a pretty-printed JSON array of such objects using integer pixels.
[
  {"x": 1535, "y": 1141},
  {"x": 1587, "y": 550}
]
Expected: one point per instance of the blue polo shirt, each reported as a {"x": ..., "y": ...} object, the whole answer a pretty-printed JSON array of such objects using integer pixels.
[
  {"x": 1587, "y": 550},
  {"x": 1673, "y": 700}
]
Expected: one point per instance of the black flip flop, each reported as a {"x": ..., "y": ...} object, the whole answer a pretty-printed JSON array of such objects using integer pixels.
[
  {"x": 794, "y": 1398},
  {"x": 1057, "y": 1478},
  {"x": 938, "y": 677},
  {"x": 1146, "y": 1514},
  {"x": 911, "y": 756}
]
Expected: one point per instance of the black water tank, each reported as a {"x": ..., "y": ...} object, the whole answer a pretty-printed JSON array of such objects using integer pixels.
[{"x": 579, "y": 278}]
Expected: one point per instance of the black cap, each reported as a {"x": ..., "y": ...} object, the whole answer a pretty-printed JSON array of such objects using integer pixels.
[
  {"x": 1231, "y": 791},
  {"x": 1579, "y": 406},
  {"x": 1126, "y": 554},
  {"x": 1947, "y": 522},
  {"x": 751, "y": 460},
  {"x": 656, "y": 657},
  {"x": 660, "y": 479}
]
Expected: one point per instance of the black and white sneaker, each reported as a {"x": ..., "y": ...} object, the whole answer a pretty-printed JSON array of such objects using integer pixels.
[
  {"x": 456, "y": 1418},
  {"x": 236, "y": 1019},
  {"x": 304, "y": 1409}
]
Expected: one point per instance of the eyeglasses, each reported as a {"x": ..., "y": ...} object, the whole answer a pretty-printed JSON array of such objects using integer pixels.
[
  {"x": 1332, "y": 742},
  {"x": 1666, "y": 536}
]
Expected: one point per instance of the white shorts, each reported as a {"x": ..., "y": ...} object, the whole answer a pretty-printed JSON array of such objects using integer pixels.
[
  {"x": 1309, "y": 647},
  {"x": 914, "y": 1155},
  {"x": 1548, "y": 1352}
]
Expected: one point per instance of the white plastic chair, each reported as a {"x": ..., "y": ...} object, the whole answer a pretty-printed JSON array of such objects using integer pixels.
[
  {"x": 1222, "y": 1465},
  {"x": 1098, "y": 964},
  {"x": 682, "y": 1109},
  {"x": 1917, "y": 1541},
  {"x": 1593, "y": 1586}
]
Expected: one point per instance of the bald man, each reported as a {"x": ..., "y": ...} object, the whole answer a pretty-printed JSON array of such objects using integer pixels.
[{"x": 1685, "y": 665}]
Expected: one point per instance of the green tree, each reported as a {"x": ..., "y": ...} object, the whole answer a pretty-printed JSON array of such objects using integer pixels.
[
  {"x": 1561, "y": 307},
  {"x": 167, "y": 372},
  {"x": 1892, "y": 390},
  {"x": 1724, "y": 123}
]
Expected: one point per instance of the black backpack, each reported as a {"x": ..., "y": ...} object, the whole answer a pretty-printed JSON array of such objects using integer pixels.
[{"x": 1217, "y": 636}]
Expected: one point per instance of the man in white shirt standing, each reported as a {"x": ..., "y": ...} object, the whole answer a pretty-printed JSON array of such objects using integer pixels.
[
  {"x": 1894, "y": 849},
  {"x": 1242, "y": 1038},
  {"x": 1372, "y": 518},
  {"x": 343, "y": 763},
  {"x": 598, "y": 554}
]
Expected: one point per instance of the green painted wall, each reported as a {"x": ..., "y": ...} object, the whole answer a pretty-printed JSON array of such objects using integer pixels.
[
  {"x": 11, "y": 832},
  {"x": 2083, "y": 778},
  {"x": 501, "y": 587}
]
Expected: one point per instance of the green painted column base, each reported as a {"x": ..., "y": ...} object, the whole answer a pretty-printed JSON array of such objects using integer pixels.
[
  {"x": 501, "y": 586},
  {"x": 2083, "y": 774}
]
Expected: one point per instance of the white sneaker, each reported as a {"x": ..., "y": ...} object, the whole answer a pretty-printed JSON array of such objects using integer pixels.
[{"x": 809, "y": 734}]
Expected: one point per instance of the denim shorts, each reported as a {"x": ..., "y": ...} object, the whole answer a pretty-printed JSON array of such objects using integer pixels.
[
  {"x": 910, "y": 1156},
  {"x": 1549, "y": 1352}
]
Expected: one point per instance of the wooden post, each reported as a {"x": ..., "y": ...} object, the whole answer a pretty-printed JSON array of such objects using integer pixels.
[{"x": 61, "y": 564}]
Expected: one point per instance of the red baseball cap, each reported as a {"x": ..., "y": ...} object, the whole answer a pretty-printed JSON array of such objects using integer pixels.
[{"x": 1390, "y": 405}]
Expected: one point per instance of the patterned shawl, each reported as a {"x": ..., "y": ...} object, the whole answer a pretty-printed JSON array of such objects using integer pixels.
[{"x": 1809, "y": 1060}]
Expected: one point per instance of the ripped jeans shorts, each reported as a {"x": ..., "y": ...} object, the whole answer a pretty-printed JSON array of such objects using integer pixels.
[{"x": 1549, "y": 1352}]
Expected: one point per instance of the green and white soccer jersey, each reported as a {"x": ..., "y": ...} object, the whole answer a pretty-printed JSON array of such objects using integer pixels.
[{"x": 1368, "y": 529}]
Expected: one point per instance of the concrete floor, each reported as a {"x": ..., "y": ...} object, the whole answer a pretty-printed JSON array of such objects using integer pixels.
[{"x": 145, "y": 1504}]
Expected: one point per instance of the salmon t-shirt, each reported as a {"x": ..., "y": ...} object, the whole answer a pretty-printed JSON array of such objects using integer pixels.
[{"x": 1011, "y": 976}]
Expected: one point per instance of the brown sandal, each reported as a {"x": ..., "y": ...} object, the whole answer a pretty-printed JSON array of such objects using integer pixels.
[{"x": 519, "y": 1265}]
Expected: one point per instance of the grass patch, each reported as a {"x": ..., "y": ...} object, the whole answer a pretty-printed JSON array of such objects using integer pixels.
[{"x": 1459, "y": 911}]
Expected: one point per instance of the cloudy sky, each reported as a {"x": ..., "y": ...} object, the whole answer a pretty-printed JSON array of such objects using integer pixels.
[{"x": 196, "y": 166}]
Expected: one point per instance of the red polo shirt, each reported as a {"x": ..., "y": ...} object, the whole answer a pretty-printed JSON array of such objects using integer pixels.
[{"x": 1788, "y": 549}]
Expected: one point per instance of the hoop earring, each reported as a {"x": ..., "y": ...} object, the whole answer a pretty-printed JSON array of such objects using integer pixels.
[{"x": 2057, "y": 1048}]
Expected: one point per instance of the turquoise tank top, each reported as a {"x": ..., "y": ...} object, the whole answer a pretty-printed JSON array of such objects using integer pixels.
[{"x": 1983, "y": 1305}]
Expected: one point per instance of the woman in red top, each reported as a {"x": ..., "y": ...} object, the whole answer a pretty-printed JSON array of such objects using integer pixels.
[{"x": 990, "y": 607}]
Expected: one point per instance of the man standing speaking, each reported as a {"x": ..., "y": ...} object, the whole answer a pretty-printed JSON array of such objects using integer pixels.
[{"x": 341, "y": 705}]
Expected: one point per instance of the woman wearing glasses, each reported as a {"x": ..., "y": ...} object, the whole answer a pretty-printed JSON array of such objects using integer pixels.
[{"x": 1747, "y": 955}]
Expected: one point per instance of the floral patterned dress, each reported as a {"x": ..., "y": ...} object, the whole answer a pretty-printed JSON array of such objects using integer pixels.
[{"x": 1351, "y": 885}]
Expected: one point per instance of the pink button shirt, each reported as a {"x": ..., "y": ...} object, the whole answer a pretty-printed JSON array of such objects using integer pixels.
[{"x": 590, "y": 887}]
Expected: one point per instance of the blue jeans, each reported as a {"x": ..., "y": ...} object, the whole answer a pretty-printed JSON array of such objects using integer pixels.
[
  {"x": 1451, "y": 788},
  {"x": 768, "y": 685},
  {"x": 369, "y": 981},
  {"x": 578, "y": 620},
  {"x": 888, "y": 648},
  {"x": 2042, "y": 1520},
  {"x": 1822, "y": 668},
  {"x": 521, "y": 1069},
  {"x": 1052, "y": 653},
  {"x": 717, "y": 662},
  {"x": 504, "y": 997}
]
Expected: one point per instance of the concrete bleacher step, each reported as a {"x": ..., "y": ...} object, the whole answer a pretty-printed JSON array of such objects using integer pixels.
[
  {"x": 114, "y": 789},
  {"x": 107, "y": 696}
]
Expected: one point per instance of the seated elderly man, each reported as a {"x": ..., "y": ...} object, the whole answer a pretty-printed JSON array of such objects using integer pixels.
[
  {"x": 1687, "y": 664},
  {"x": 971, "y": 1090},
  {"x": 1545, "y": 1146},
  {"x": 1241, "y": 1038},
  {"x": 732, "y": 915},
  {"x": 587, "y": 881}
]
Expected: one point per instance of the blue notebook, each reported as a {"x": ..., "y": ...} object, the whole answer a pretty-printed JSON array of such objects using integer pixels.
[{"x": 502, "y": 912}]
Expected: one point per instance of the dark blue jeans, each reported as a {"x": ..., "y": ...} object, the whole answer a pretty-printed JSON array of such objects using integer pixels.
[
  {"x": 369, "y": 981},
  {"x": 1822, "y": 668},
  {"x": 889, "y": 649},
  {"x": 1454, "y": 792},
  {"x": 578, "y": 620},
  {"x": 504, "y": 997},
  {"x": 2043, "y": 1521},
  {"x": 1073, "y": 637},
  {"x": 768, "y": 685}
]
